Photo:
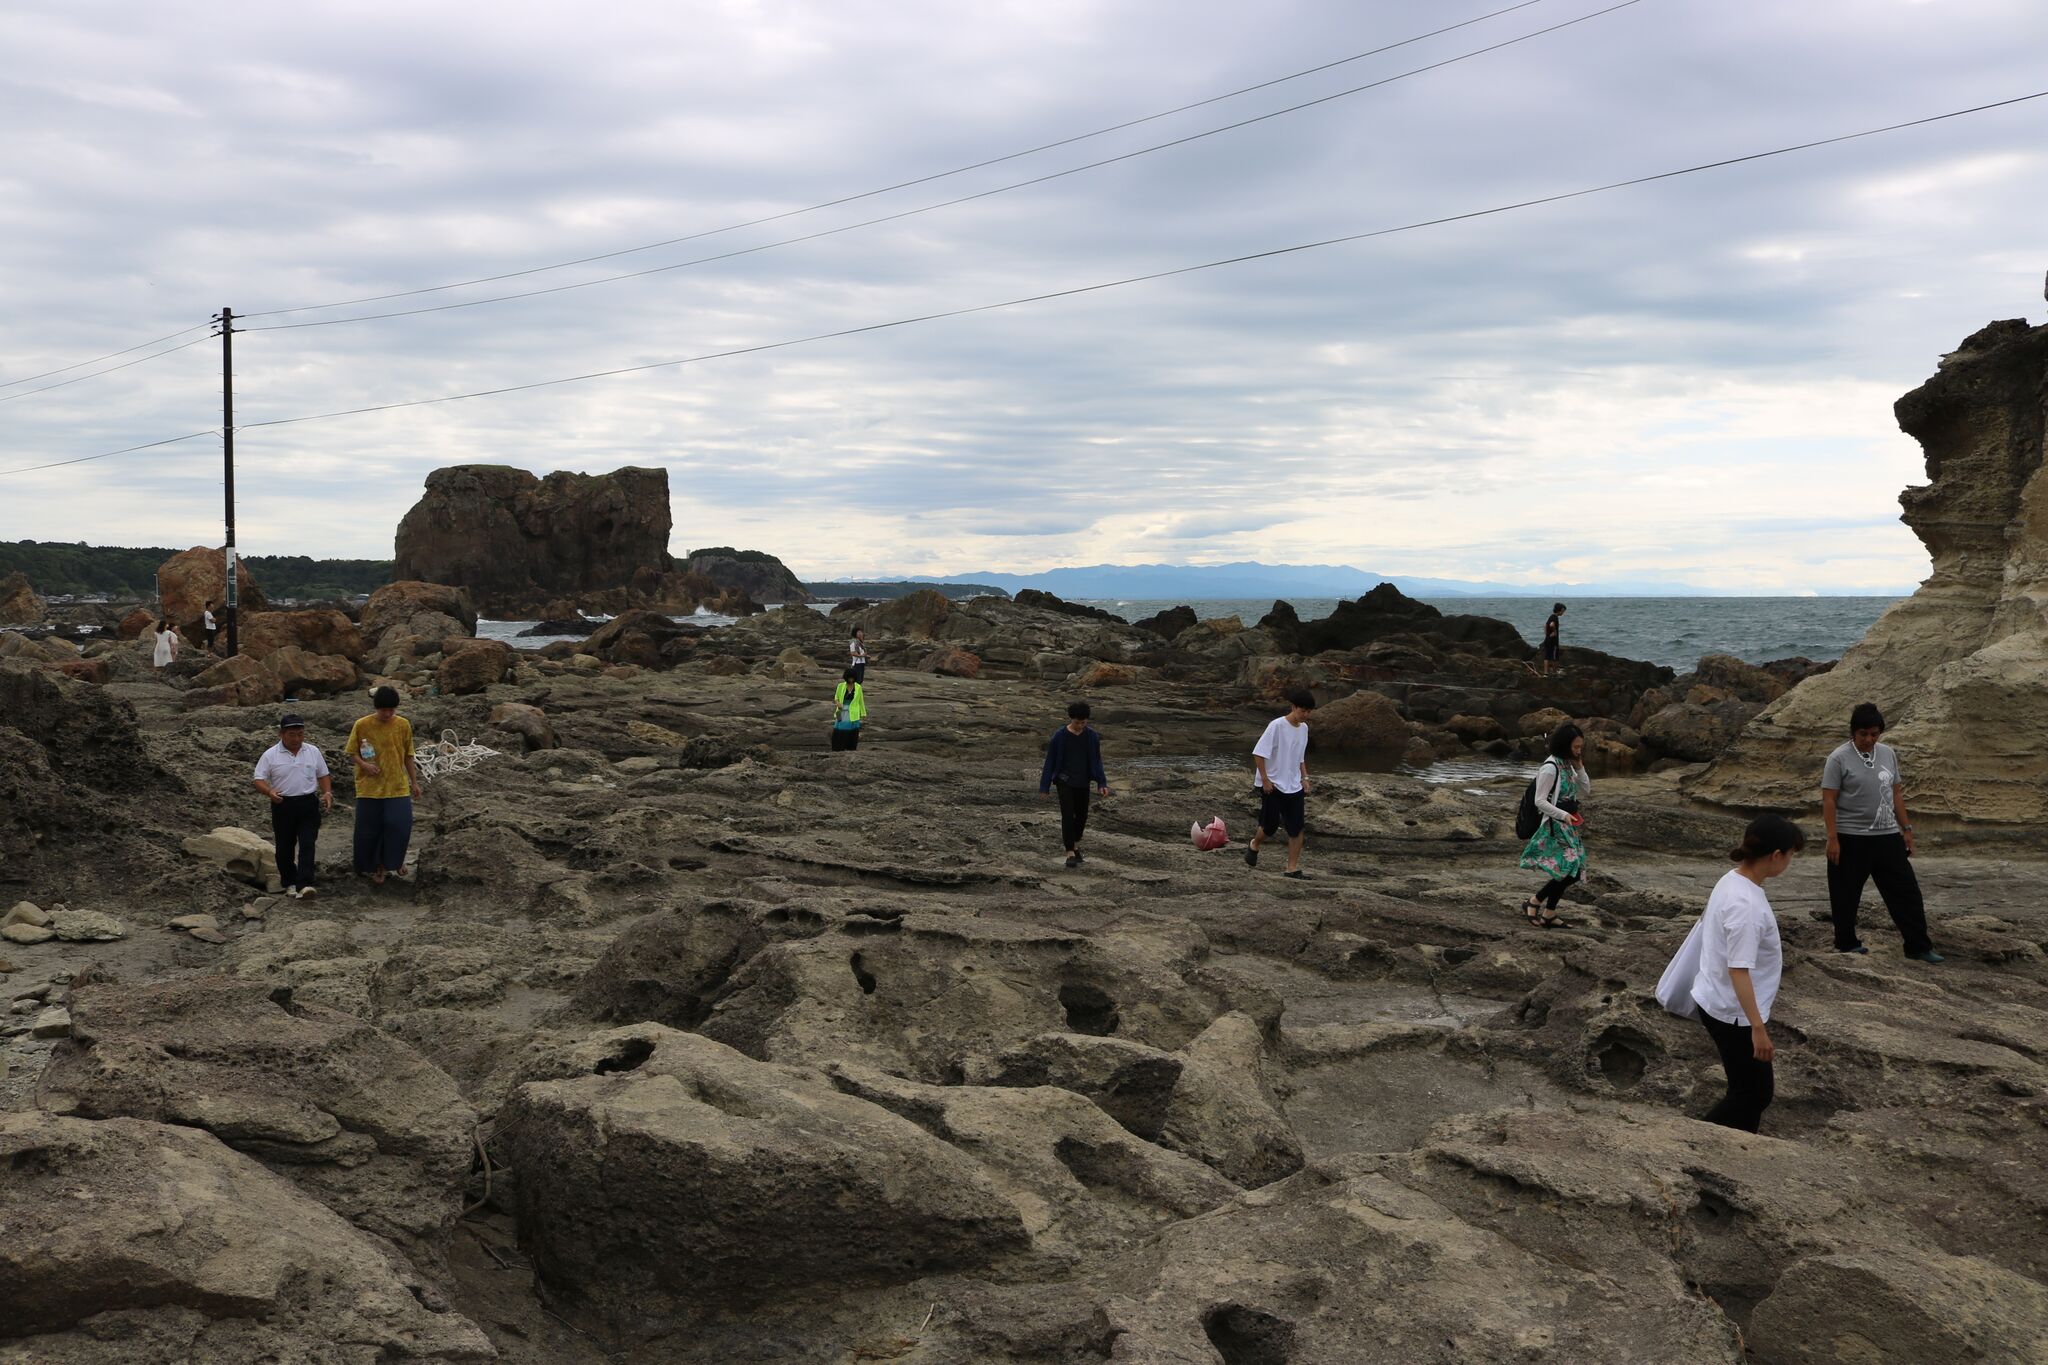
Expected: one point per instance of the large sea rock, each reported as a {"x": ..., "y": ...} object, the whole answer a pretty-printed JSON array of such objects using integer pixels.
[
  {"x": 19, "y": 605},
  {"x": 759, "y": 576},
  {"x": 1960, "y": 668},
  {"x": 514, "y": 540}
]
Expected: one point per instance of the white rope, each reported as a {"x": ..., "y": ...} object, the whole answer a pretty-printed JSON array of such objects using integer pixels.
[{"x": 450, "y": 756}]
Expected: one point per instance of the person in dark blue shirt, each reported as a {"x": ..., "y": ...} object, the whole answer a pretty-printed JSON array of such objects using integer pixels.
[{"x": 1073, "y": 763}]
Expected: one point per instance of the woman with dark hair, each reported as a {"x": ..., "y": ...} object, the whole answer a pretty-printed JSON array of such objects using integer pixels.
[
  {"x": 1740, "y": 963},
  {"x": 165, "y": 640},
  {"x": 857, "y": 655},
  {"x": 1557, "y": 849},
  {"x": 387, "y": 774},
  {"x": 849, "y": 711}
]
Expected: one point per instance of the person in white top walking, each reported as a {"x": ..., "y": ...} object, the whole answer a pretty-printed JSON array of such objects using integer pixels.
[
  {"x": 1741, "y": 962},
  {"x": 1280, "y": 759},
  {"x": 293, "y": 774},
  {"x": 857, "y": 655}
]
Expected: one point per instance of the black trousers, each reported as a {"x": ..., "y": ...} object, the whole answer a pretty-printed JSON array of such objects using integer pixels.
[
  {"x": 1880, "y": 858},
  {"x": 1750, "y": 1085},
  {"x": 295, "y": 824},
  {"x": 1554, "y": 889},
  {"x": 1073, "y": 813},
  {"x": 845, "y": 738}
]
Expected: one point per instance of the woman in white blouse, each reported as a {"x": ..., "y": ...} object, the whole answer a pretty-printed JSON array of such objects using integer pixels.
[
  {"x": 1741, "y": 961},
  {"x": 166, "y": 640}
]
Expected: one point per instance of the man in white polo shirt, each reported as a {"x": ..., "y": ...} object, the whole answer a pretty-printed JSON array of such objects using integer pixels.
[{"x": 294, "y": 776}]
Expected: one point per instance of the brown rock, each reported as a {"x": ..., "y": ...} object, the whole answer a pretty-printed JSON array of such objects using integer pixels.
[
  {"x": 747, "y": 577},
  {"x": 1269, "y": 679},
  {"x": 724, "y": 666},
  {"x": 300, "y": 672},
  {"x": 634, "y": 637},
  {"x": 473, "y": 666},
  {"x": 410, "y": 608},
  {"x": 135, "y": 622},
  {"x": 320, "y": 631},
  {"x": 187, "y": 580},
  {"x": 516, "y": 541},
  {"x": 19, "y": 605},
  {"x": 920, "y": 615},
  {"x": 530, "y": 723},
  {"x": 1476, "y": 729},
  {"x": 247, "y": 681},
  {"x": 1108, "y": 675},
  {"x": 1537, "y": 724},
  {"x": 1364, "y": 722},
  {"x": 951, "y": 662},
  {"x": 85, "y": 670},
  {"x": 1695, "y": 734}
]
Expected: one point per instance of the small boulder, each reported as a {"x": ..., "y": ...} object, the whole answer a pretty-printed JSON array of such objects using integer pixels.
[
  {"x": 241, "y": 854},
  {"x": 317, "y": 631},
  {"x": 1364, "y": 722},
  {"x": 951, "y": 662},
  {"x": 1476, "y": 729},
  {"x": 530, "y": 723},
  {"x": 86, "y": 926},
  {"x": 135, "y": 622},
  {"x": 302, "y": 673},
  {"x": 471, "y": 665},
  {"x": 1692, "y": 733},
  {"x": 27, "y": 912},
  {"x": 243, "y": 678},
  {"x": 919, "y": 615},
  {"x": 1537, "y": 724},
  {"x": 27, "y": 935},
  {"x": 1104, "y": 674},
  {"x": 1169, "y": 623}
]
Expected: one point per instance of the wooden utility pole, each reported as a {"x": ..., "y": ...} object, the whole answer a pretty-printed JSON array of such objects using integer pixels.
[{"x": 227, "y": 435}]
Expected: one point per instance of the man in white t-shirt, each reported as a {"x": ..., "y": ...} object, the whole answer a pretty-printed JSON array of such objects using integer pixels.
[
  {"x": 208, "y": 627},
  {"x": 1280, "y": 759},
  {"x": 293, "y": 774}
]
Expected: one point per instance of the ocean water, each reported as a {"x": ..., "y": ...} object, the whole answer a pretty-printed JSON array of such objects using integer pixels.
[{"x": 1674, "y": 631}]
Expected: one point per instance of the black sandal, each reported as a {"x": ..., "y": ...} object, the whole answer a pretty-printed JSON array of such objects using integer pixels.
[{"x": 1532, "y": 911}]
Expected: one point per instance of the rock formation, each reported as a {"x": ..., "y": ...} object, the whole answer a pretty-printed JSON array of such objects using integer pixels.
[
  {"x": 1960, "y": 668},
  {"x": 190, "y": 579},
  {"x": 519, "y": 544},
  {"x": 19, "y": 605},
  {"x": 754, "y": 574}
]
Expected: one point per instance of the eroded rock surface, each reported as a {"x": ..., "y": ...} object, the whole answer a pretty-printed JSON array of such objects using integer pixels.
[{"x": 1960, "y": 668}]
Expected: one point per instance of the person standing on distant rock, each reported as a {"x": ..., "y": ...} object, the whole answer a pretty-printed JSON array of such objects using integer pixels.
[
  {"x": 380, "y": 746},
  {"x": 1870, "y": 837},
  {"x": 1073, "y": 763},
  {"x": 849, "y": 711},
  {"x": 1551, "y": 642},
  {"x": 293, "y": 774},
  {"x": 1557, "y": 848},
  {"x": 1280, "y": 759},
  {"x": 166, "y": 641},
  {"x": 1741, "y": 960},
  {"x": 208, "y": 627},
  {"x": 857, "y": 655}
]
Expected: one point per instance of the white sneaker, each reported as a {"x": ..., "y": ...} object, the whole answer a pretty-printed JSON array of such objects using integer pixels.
[
  {"x": 304, "y": 893},
  {"x": 292, "y": 891}
]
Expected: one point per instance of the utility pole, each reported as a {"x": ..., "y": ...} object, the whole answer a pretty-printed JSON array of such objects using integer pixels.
[{"x": 233, "y": 597}]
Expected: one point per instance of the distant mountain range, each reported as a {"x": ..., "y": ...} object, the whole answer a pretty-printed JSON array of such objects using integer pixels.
[{"x": 1195, "y": 582}]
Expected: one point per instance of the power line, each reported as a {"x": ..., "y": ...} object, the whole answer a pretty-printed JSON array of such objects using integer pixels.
[
  {"x": 112, "y": 355},
  {"x": 110, "y": 454},
  {"x": 949, "y": 203},
  {"x": 1163, "y": 274},
  {"x": 901, "y": 184},
  {"x": 66, "y": 383}
]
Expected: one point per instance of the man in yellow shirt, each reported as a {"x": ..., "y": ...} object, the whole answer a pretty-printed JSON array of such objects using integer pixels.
[{"x": 387, "y": 774}]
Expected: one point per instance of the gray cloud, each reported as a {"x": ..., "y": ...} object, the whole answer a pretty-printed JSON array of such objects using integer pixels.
[{"x": 1698, "y": 373}]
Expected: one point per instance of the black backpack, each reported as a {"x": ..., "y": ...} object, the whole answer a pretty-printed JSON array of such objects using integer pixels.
[{"x": 1527, "y": 818}]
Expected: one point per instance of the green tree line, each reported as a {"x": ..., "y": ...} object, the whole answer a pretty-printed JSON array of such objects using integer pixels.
[{"x": 54, "y": 568}]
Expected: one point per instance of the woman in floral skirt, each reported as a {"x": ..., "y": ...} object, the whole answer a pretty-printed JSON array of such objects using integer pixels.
[{"x": 1558, "y": 849}]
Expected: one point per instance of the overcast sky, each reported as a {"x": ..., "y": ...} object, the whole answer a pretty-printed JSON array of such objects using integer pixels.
[{"x": 1689, "y": 380}]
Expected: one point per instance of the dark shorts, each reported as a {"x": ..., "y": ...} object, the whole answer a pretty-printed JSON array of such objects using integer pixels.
[
  {"x": 1278, "y": 808},
  {"x": 1550, "y": 650}
]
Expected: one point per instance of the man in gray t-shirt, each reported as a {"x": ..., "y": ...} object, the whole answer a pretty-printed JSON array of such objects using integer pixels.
[{"x": 1870, "y": 838}]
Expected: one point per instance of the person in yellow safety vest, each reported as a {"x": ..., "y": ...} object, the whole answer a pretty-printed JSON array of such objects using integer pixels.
[{"x": 849, "y": 709}]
